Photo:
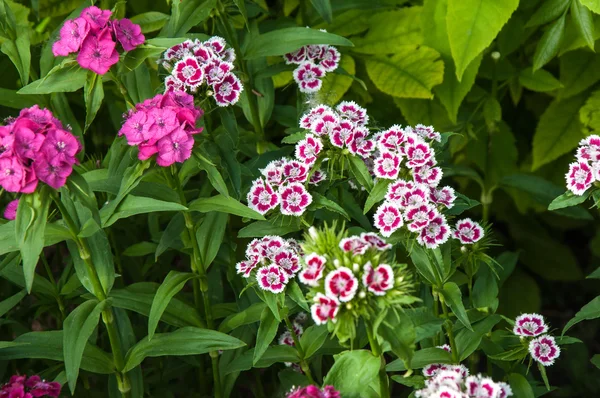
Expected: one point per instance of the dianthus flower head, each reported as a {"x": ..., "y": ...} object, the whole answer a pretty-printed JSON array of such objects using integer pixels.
[
  {"x": 342, "y": 134},
  {"x": 308, "y": 77},
  {"x": 294, "y": 199},
  {"x": 128, "y": 34},
  {"x": 435, "y": 233},
  {"x": 262, "y": 197},
  {"x": 378, "y": 280},
  {"x": 427, "y": 132},
  {"x": 387, "y": 165},
  {"x": 288, "y": 261},
  {"x": 308, "y": 149},
  {"x": 482, "y": 387},
  {"x": 10, "y": 211},
  {"x": 72, "y": 34},
  {"x": 330, "y": 59},
  {"x": 313, "y": 391},
  {"x": 444, "y": 196},
  {"x": 468, "y": 231},
  {"x": 589, "y": 150},
  {"x": 544, "y": 350},
  {"x": 324, "y": 308},
  {"x": 308, "y": 118},
  {"x": 580, "y": 177},
  {"x": 388, "y": 219},
  {"x": 351, "y": 111},
  {"x": 98, "y": 52},
  {"x": 418, "y": 217},
  {"x": 96, "y": 17},
  {"x": 227, "y": 91},
  {"x": 354, "y": 245},
  {"x": 272, "y": 278},
  {"x": 530, "y": 325},
  {"x": 341, "y": 284},
  {"x": 313, "y": 270}
]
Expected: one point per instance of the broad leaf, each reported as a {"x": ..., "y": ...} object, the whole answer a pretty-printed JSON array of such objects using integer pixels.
[
  {"x": 583, "y": 20},
  {"x": 520, "y": 386},
  {"x": 133, "y": 205},
  {"x": 568, "y": 199},
  {"x": 390, "y": 30},
  {"x": 66, "y": 77},
  {"x": 549, "y": 44},
  {"x": 468, "y": 341},
  {"x": 9, "y": 303},
  {"x": 248, "y": 316},
  {"x": 323, "y": 7},
  {"x": 353, "y": 372},
  {"x": 224, "y": 204},
  {"x": 589, "y": 311},
  {"x": 593, "y": 5},
  {"x": 93, "y": 94},
  {"x": 377, "y": 194},
  {"x": 539, "y": 80},
  {"x": 579, "y": 70},
  {"x": 312, "y": 339},
  {"x": 360, "y": 172}
]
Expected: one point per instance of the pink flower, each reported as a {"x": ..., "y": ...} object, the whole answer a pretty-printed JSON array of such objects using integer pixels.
[
  {"x": 505, "y": 390},
  {"x": 308, "y": 149},
  {"x": 314, "y": 51},
  {"x": 294, "y": 171},
  {"x": 272, "y": 278},
  {"x": 482, "y": 387},
  {"x": 427, "y": 132},
  {"x": 97, "y": 18},
  {"x": 227, "y": 92},
  {"x": 415, "y": 196},
  {"x": 355, "y": 245},
  {"x": 72, "y": 34},
  {"x": 544, "y": 350},
  {"x": 286, "y": 339},
  {"x": 215, "y": 71},
  {"x": 27, "y": 143},
  {"x": 360, "y": 145},
  {"x": 444, "y": 196},
  {"x": 388, "y": 219},
  {"x": 128, "y": 34},
  {"x": 467, "y": 231},
  {"x": 11, "y": 174},
  {"x": 324, "y": 124},
  {"x": 262, "y": 197},
  {"x": 217, "y": 44},
  {"x": 435, "y": 233},
  {"x": 135, "y": 126},
  {"x": 62, "y": 145},
  {"x": 342, "y": 134},
  {"x": 580, "y": 177},
  {"x": 274, "y": 172},
  {"x": 173, "y": 84},
  {"x": 418, "y": 217},
  {"x": 98, "y": 53},
  {"x": 307, "y": 119},
  {"x": 432, "y": 369},
  {"x": 530, "y": 325},
  {"x": 161, "y": 122},
  {"x": 41, "y": 388},
  {"x": 179, "y": 51},
  {"x": 308, "y": 77},
  {"x": 445, "y": 347},
  {"x": 418, "y": 154},
  {"x": 427, "y": 174},
  {"x": 295, "y": 57},
  {"x": 589, "y": 151},
  {"x": 350, "y": 110},
  {"x": 189, "y": 72},
  {"x": 397, "y": 189},
  {"x": 341, "y": 284},
  {"x": 246, "y": 267},
  {"x": 375, "y": 241},
  {"x": 387, "y": 165},
  {"x": 288, "y": 261},
  {"x": 392, "y": 139},
  {"x": 378, "y": 280},
  {"x": 324, "y": 309},
  {"x": 294, "y": 199},
  {"x": 314, "y": 392},
  {"x": 316, "y": 177},
  {"x": 10, "y": 212},
  {"x": 175, "y": 147},
  {"x": 331, "y": 59},
  {"x": 313, "y": 272},
  {"x": 52, "y": 171}
]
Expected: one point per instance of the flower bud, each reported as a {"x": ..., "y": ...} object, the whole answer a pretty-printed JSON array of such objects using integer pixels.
[{"x": 495, "y": 55}]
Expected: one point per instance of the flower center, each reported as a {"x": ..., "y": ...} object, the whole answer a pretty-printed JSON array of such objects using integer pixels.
[
  {"x": 225, "y": 89},
  {"x": 581, "y": 176},
  {"x": 264, "y": 198},
  {"x": 272, "y": 278},
  {"x": 60, "y": 145},
  {"x": 388, "y": 165},
  {"x": 294, "y": 199},
  {"x": 188, "y": 71},
  {"x": 389, "y": 218}
]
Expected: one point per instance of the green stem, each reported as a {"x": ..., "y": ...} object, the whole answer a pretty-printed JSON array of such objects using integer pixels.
[
  {"x": 384, "y": 388},
  {"x": 448, "y": 325},
  {"x": 298, "y": 346},
  {"x": 122, "y": 89}
]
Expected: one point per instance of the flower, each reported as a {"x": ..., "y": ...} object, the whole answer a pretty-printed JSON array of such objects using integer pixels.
[
  {"x": 288, "y": 261},
  {"x": 227, "y": 92},
  {"x": 530, "y": 325},
  {"x": 307, "y": 119},
  {"x": 97, "y": 18},
  {"x": 314, "y": 269},
  {"x": 247, "y": 266},
  {"x": 342, "y": 134},
  {"x": 294, "y": 171},
  {"x": 271, "y": 278},
  {"x": 98, "y": 53},
  {"x": 262, "y": 197},
  {"x": 388, "y": 219},
  {"x": 505, "y": 390},
  {"x": 308, "y": 149},
  {"x": 294, "y": 199},
  {"x": 350, "y": 110},
  {"x": 544, "y": 350},
  {"x": 589, "y": 150},
  {"x": 324, "y": 309},
  {"x": 387, "y": 165},
  {"x": 418, "y": 217},
  {"x": 444, "y": 196},
  {"x": 374, "y": 241},
  {"x": 52, "y": 171},
  {"x": 317, "y": 177},
  {"x": 378, "y": 280},
  {"x": 10, "y": 211},
  {"x": 341, "y": 284},
  {"x": 216, "y": 70},
  {"x": 482, "y": 387},
  {"x": 415, "y": 196},
  {"x": 417, "y": 154},
  {"x": 397, "y": 189},
  {"x": 175, "y": 147},
  {"x": 435, "y": 233},
  {"x": 128, "y": 34},
  {"x": 331, "y": 59},
  {"x": 392, "y": 139},
  {"x": 355, "y": 245},
  {"x": 308, "y": 77},
  {"x": 427, "y": 132},
  {"x": 295, "y": 57},
  {"x": 427, "y": 174},
  {"x": 189, "y": 72},
  {"x": 467, "y": 231},
  {"x": 34, "y": 386},
  {"x": 314, "y": 392},
  {"x": 579, "y": 178},
  {"x": 72, "y": 34}
]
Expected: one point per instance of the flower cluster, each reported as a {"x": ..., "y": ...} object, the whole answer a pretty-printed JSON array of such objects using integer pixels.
[
  {"x": 29, "y": 387},
  {"x": 277, "y": 260},
  {"x": 10, "y": 211},
  {"x": 313, "y": 391},
  {"x": 347, "y": 275},
  {"x": 286, "y": 337},
  {"x": 586, "y": 170},
  {"x": 194, "y": 63},
  {"x": 94, "y": 36},
  {"x": 314, "y": 61},
  {"x": 455, "y": 382},
  {"x": 542, "y": 347},
  {"x": 163, "y": 125},
  {"x": 35, "y": 147}
]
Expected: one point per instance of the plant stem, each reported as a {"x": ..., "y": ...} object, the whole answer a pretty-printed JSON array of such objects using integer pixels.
[
  {"x": 384, "y": 389},
  {"x": 298, "y": 346},
  {"x": 122, "y": 89},
  {"x": 448, "y": 325}
]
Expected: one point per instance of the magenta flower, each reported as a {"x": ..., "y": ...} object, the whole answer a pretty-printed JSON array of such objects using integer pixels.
[
  {"x": 262, "y": 197},
  {"x": 10, "y": 212},
  {"x": 294, "y": 199},
  {"x": 351, "y": 111},
  {"x": 11, "y": 174},
  {"x": 175, "y": 147},
  {"x": 342, "y": 134},
  {"x": 315, "y": 51},
  {"x": 313, "y": 272},
  {"x": 98, "y": 53},
  {"x": 274, "y": 172},
  {"x": 227, "y": 92},
  {"x": 444, "y": 196},
  {"x": 128, "y": 34},
  {"x": 307, "y": 119},
  {"x": 308, "y": 77},
  {"x": 286, "y": 339},
  {"x": 530, "y": 325},
  {"x": 392, "y": 139},
  {"x": 388, "y": 219},
  {"x": 418, "y": 217},
  {"x": 272, "y": 278},
  {"x": 41, "y": 388},
  {"x": 296, "y": 57},
  {"x": 189, "y": 72},
  {"x": 288, "y": 261},
  {"x": 375, "y": 241},
  {"x": 27, "y": 143},
  {"x": 427, "y": 174},
  {"x": 397, "y": 189},
  {"x": 317, "y": 177},
  {"x": 134, "y": 127},
  {"x": 435, "y": 233},
  {"x": 387, "y": 165},
  {"x": 505, "y": 390},
  {"x": 467, "y": 231},
  {"x": 173, "y": 84},
  {"x": 325, "y": 124},
  {"x": 246, "y": 267},
  {"x": 331, "y": 59},
  {"x": 72, "y": 34},
  {"x": 314, "y": 392},
  {"x": 415, "y": 196},
  {"x": 418, "y": 153},
  {"x": 62, "y": 145},
  {"x": 294, "y": 171},
  {"x": 355, "y": 245},
  {"x": 308, "y": 149},
  {"x": 341, "y": 284},
  {"x": 544, "y": 350},
  {"x": 216, "y": 70},
  {"x": 52, "y": 171},
  {"x": 378, "y": 280},
  {"x": 324, "y": 309},
  {"x": 579, "y": 178},
  {"x": 589, "y": 150},
  {"x": 427, "y": 132},
  {"x": 160, "y": 123},
  {"x": 96, "y": 18},
  {"x": 360, "y": 145},
  {"x": 484, "y": 387}
]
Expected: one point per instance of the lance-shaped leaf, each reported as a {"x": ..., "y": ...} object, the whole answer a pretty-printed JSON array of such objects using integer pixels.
[
  {"x": 267, "y": 330},
  {"x": 453, "y": 297},
  {"x": 224, "y": 204}
]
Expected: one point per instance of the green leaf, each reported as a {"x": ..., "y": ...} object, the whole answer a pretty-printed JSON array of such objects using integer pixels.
[
  {"x": 210, "y": 236},
  {"x": 549, "y": 44},
  {"x": 583, "y": 20},
  {"x": 419, "y": 257},
  {"x": 578, "y": 72},
  {"x": 485, "y": 289},
  {"x": 11, "y": 99},
  {"x": 172, "y": 284},
  {"x": 377, "y": 194},
  {"x": 421, "y": 359},
  {"x": 520, "y": 386},
  {"x": 214, "y": 176},
  {"x": 320, "y": 201},
  {"x": 312, "y": 339},
  {"x": 187, "y": 14},
  {"x": 150, "y": 21},
  {"x": 9, "y": 303},
  {"x": 224, "y": 204},
  {"x": 335, "y": 85},
  {"x": 267, "y": 331},
  {"x": 140, "y": 249},
  {"x": 596, "y": 360},
  {"x": 77, "y": 329},
  {"x": 295, "y": 293},
  {"x": 539, "y": 80},
  {"x": 516, "y": 354},
  {"x": 65, "y": 77},
  {"x": 185, "y": 341},
  {"x": 558, "y": 131},
  {"x": 568, "y": 199},
  {"x": 353, "y": 372},
  {"x": 323, "y": 7},
  {"x": 452, "y": 92},
  {"x": 93, "y": 95},
  {"x": 390, "y": 30},
  {"x": 30, "y": 226},
  {"x": 547, "y": 12},
  {"x": 133, "y": 205},
  {"x": 468, "y": 341},
  {"x": 263, "y": 228},
  {"x": 401, "y": 336},
  {"x": 453, "y": 297},
  {"x": 15, "y": 32},
  {"x": 273, "y": 354},
  {"x": 360, "y": 172},
  {"x": 171, "y": 234},
  {"x": 248, "y": 316},
  {"x": 589, "y": 114},
  {"x": 589, "y": 311},
  {"x": 593, "y": 5},
  {"x": 283, "y": 41},
  {"x": 411, "y": 72},
  {"x": 473, "y": 25}
]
